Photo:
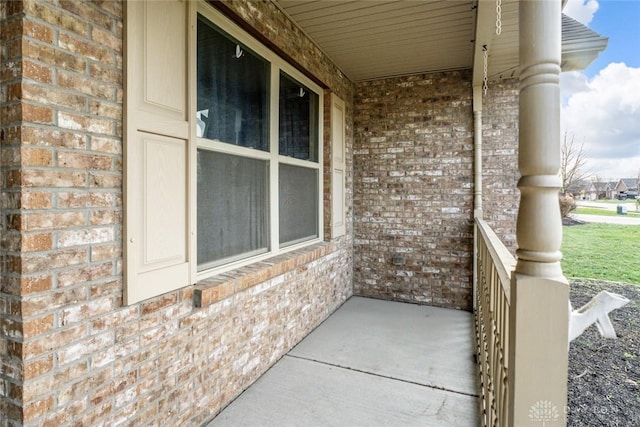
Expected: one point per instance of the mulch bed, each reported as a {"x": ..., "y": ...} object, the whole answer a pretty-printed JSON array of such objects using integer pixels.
[{"x": 604, "y": 374}]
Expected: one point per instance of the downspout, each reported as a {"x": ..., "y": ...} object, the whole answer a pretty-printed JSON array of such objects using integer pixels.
[
  {"x": 477, "y": 145},
  {"x": 477, "y": 182},
  {"x": 484, "y": 31}
]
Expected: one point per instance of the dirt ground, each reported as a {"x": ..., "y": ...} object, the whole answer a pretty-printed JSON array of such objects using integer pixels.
[{"x": 604, "y": 374}]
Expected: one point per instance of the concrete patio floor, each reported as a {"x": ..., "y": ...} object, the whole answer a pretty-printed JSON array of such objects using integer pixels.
[{"x": 371, "y": 363}]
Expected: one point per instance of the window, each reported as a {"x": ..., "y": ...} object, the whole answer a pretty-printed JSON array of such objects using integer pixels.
[
  {"x": 233, "y": 90},
  {"x": 257, "y": 123},
  {"x": 223, "y": 150}
]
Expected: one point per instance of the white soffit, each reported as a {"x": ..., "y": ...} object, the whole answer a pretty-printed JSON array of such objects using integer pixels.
[{"x": 374, "y": 39}]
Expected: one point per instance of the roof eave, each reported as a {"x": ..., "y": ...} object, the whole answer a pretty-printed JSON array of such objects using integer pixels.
[{"x": 578, "y": 54}]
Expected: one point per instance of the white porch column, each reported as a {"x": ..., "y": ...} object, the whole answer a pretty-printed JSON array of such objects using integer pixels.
[{"x": 538, "y": 330}]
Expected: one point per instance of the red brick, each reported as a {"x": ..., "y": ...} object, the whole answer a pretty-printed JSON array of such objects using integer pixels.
[
  {"x": 35, "y": 368},
  {"x": 86, "y": 200},
  {"x": 53, "y": 178},
  {"x": 14, "y": 8},
  {"x": 105, "y": 180},
  {"x": 66, "y": 413},
  {"x": 86, "y": 49},
  {"x": 37, "y": 326},
  {"x": 83, "y": 84},
  {"x": 105, "y": 217},
  {"x": 52, "y": 220},
  {"x": 158, "y": 303},
  {"x": 82, "y": 273},
  {"x": 36, "y": 348},
  {"x": 11, "y": 113},
  {"x": 38, "y": 31},
  {"x": 38, "y": 408},
  {"x": 109, "y": 6},
  {"x": 57, "y": 18},
  {"x": 36, "y": 242},
  {"x": 90, "y": 124},
  {"x": 37, "y": 114},
  {"x": 52, "y": 96},
  {"x": 14, "y": 91},
  {"x": 33, "y": 200},
  {"x": 104, "y": 109},
  {"x": 113, "y": 287},
  {"x": 106, "y": 74},
  {"x": 53, "y": 56},
  {"x": 11, "y": 29},
  {"x": 37, "y": 262},
  {"x": 53, "y": 137},
  {"x": 85, "y": 347},
  {"x": 35, "y": 284},
  {"x": 37, "y": 72},
  {"x": 36, "y": 157},
  {"x": 106, "y": 145},
  {"x": 107, "y": 38},
  {"x": 87, "y": 12}
]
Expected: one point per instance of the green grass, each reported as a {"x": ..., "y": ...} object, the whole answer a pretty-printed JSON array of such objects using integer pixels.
[
  {"x": 602, "y": 251},
  {"x": 605, "y": 212}
]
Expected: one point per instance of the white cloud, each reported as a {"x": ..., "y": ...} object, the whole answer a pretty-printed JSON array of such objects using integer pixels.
[
  {"x": 604, "y": 112},
  {"x": 572, "y": 82},
  {"x": 581, "y": 10}
]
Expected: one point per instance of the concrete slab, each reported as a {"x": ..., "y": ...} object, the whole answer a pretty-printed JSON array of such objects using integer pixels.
[
  {"x": 426, "y": 345},
  {"x": 298, "y": 392},
  {"x": 372, "y": 363}
]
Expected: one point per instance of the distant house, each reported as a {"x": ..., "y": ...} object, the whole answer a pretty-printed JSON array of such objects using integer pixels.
[
  {"x": 579, "y": 189},
  {"x": 600, "y": 190},
  {"x": 625, "y": 185},
  {"x": 611, "y": 190}
]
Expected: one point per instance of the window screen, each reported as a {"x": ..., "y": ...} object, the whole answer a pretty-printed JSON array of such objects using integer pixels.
[{"x": 233, "y": 207}]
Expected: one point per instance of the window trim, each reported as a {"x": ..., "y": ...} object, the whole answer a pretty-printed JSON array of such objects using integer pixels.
[{"x": 277, "y": 64}]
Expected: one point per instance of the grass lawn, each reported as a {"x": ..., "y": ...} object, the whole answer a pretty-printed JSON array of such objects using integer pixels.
[
  {"x": 602, "y": 251},
  {"x": 602, "y": 211}
]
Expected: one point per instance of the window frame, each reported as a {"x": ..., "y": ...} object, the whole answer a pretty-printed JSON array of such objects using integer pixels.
[{"x": 272, "y": 156}]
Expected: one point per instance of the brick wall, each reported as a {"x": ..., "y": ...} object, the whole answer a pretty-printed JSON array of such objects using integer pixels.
[
  {"x": 413, "y": 188},
  {"x": 70, "y": 352},
  {"x": 10, "y": 111},
  {"x": 500, "y": 173}
]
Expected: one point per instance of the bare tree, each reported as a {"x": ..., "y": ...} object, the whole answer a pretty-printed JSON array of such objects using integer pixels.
[
  {"x": 572, "y": 162},
  {"x": 598, "y": 184}
]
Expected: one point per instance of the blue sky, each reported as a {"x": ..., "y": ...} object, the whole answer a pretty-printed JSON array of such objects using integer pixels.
[
  {"x": 601, "y": 105},
  {"x": 620, "y": 21}
]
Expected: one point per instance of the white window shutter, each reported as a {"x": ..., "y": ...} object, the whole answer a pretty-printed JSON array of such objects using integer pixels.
[
  {"x": 156, "y": 178},
  {"x": 338, "y": 136}
]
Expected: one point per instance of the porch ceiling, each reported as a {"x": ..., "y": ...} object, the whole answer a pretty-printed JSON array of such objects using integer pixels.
[{"x": 375, "y": 39}]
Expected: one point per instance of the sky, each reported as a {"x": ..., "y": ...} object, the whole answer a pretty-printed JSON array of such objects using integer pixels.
[{"x": 601, "y": 104}]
